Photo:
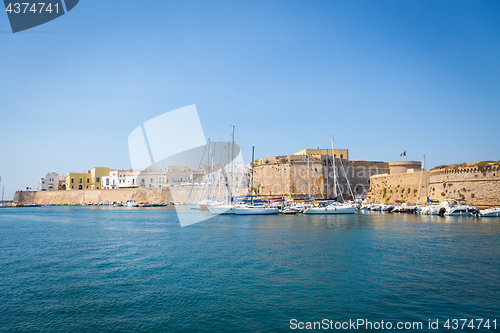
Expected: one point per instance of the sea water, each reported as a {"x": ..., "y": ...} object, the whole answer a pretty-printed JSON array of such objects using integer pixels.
[{"x": 120, "y": 269}]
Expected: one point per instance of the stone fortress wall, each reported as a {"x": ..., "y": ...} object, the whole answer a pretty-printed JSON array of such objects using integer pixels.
[
  {"x": 289, "y": 175},
  {"x": 477, "y": 183},
  {"x": 151, "y": 195}
]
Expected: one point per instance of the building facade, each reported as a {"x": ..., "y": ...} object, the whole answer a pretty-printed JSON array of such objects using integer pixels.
[
  {"x": 120, "y": 179},
  {"x": 339, "y": 153},
  {"x": 90, "y": 180},
  {"x": 52, "y": 182}
]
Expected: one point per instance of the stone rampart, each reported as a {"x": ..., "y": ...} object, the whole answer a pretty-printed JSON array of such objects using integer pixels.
[
  {"x": 401, "y": 187},
  {"x": 478, "y": 185},
  {"x": 290, "y": 175},
  {"x": 102, "y": 196}
]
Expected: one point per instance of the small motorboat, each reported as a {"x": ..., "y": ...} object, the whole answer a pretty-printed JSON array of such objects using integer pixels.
[{"x": 492, "y": 212}]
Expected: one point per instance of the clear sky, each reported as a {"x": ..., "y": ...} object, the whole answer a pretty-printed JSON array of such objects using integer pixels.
[{"x": 383, "y": 76}]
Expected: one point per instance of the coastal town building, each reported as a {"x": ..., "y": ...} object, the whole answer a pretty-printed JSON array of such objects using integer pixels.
[
  {"x": 339, "y": 153},
  {"x": 120, "y": 179},
  {"x": 90, "y": 180},
  {"x": 52, "y": 182},
  {"x": 169, "y": 176}
]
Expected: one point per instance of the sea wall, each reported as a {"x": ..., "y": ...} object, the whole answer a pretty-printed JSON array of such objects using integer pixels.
[
  {"x": 477, "y": 185},
  {"x": 401, "y": 187},
  {"x": 103, "y": 196},
  {"x": 151, "y": 195}
]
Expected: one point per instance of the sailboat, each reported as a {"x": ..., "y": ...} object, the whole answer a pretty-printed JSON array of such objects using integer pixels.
[
  {"x": 427, "y": 209},
  {"x": 252, "y": 209},
  {"x": 226, "y": 206},
  {"x": 336, "y": 207}
]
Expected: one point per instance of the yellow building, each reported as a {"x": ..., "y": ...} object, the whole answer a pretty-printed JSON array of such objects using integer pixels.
[
  {"x": 339, "y": 153},
  {"x": 90, "y": 180}
]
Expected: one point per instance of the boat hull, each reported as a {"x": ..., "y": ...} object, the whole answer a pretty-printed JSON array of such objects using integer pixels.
[
  {"x": 330, "y": 210},
  {"x": 222, "y": 209},
  {"x": 490, "y": 213},
  {"x": 255, "y": 211}
]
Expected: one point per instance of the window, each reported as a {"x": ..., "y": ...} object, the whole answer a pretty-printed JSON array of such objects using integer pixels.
[
  {"x": 87, "y": 187},
  {"x": 81, "y": 180},
  {"x": 97, "y": 179},
  {"x": 88, "y": 180},
  {"x": 107, "y": 181},
  {"x": 72, "y": 187},
  {"x": 72, "y": 180},
  {"x": 341, "y": 155}
]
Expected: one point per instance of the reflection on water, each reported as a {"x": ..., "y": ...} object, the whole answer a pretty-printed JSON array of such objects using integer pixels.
[{"x": 114, "y": 269}]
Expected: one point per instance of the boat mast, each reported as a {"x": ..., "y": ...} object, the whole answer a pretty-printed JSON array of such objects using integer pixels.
[
  {"x": 281, "y": 180},
  {"x": 426, "y": 191},
  {"x": 232, "y": 167},
  {"x": 309, "y": 174},
  {"x": 209, "y": 167},
  {"x": 327, "y": 173},
  {"x": 251, "y": 186},
  {"x": 420, "y": 186},
  {"x": 334, "y": 172},
  {"x": 219, "y": 179}
]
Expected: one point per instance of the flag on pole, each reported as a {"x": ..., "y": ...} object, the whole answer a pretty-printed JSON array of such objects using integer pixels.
[{"x": 403, "y": 153}]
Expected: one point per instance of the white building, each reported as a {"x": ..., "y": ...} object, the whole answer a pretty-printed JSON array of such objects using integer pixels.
[
  {"x": 52, "y": 182},
  {"x": 120, "y": 179},
  {"x": 170, "y": 176}
]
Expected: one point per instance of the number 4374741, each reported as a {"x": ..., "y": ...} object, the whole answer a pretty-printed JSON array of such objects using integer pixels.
[
  {"x": 36, "y": 8},
  {"x": 470, "y": 323}
]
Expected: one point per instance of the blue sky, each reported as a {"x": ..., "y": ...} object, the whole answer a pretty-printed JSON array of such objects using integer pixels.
[{"x": 383, "y": 76}]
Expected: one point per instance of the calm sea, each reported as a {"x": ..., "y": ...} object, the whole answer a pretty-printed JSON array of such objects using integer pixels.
[{"x": 105, "y": 269}]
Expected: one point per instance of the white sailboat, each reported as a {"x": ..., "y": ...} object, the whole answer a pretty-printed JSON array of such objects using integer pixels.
[
  {"x": 334, "y": 208},
  {"x": 225, "y": 206},
  {"x": 251, "y": 209}
]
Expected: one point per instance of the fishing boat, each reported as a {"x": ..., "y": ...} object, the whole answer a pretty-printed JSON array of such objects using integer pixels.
[{"x": 132, "y": 204}]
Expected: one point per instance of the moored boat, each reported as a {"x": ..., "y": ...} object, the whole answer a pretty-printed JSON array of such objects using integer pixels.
[
  {"x": 492, "y": 212},
  {"x": 255, "y": 210},
  {"x": 332, "y": 209}
]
